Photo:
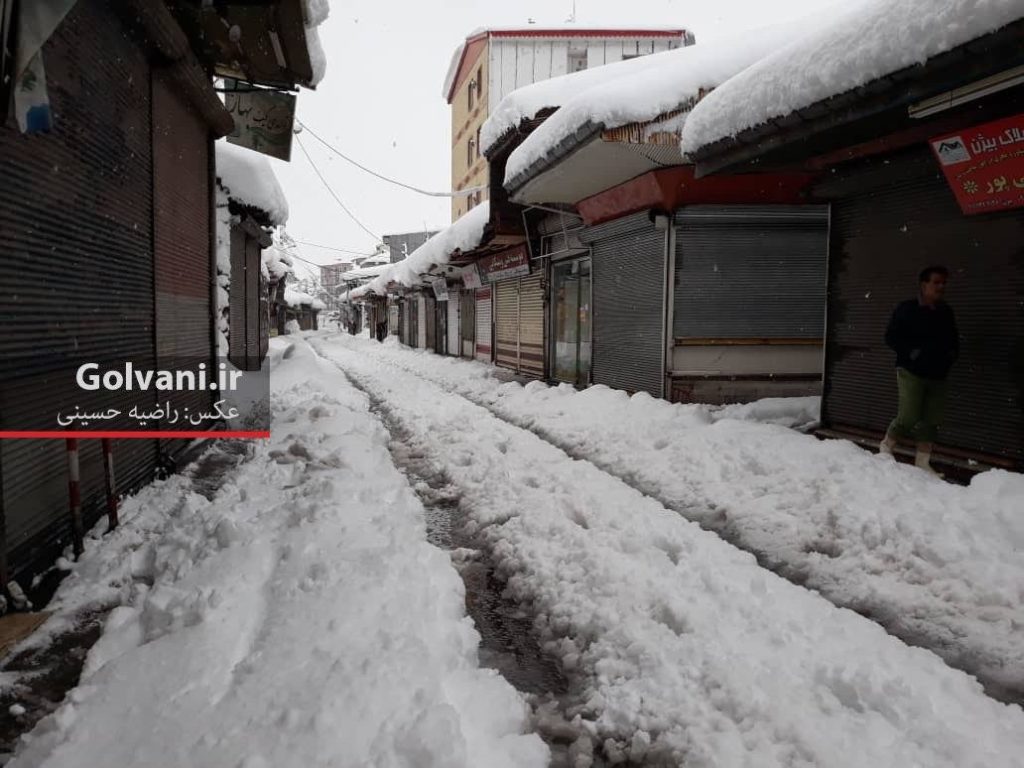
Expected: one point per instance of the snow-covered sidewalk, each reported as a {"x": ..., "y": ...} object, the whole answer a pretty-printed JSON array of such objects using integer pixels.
[
  {"x": 298, "y": 619},
  {"x": 941, "y": 566},
  {"x": 688, "y": 652}
]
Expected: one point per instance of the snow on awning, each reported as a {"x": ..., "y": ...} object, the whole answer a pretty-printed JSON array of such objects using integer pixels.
[
  {"x": 857, "y": 45},
  {"x": 463, "y": 235},
  {"x": 249, "y": 180},
  {"x": 297, "y": 299},
  {"x": 316, "y": 12},
  {"x": 276, "y": 263},
  {"x": 634, "y": 91}
]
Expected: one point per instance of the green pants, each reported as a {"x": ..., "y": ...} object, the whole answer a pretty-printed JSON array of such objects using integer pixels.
[{"x": 922, "y": 405}]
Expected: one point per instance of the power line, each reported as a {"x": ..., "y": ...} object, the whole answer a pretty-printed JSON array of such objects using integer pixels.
[
  {"x": 457, "y": 193},
  {"x": 332, "y": 248},
  {"x": 336, "y": 198}
]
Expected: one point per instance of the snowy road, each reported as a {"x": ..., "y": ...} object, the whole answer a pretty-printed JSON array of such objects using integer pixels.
[
  {"x": 687, "y": 650},
  {"x": 940, "y": 566}
]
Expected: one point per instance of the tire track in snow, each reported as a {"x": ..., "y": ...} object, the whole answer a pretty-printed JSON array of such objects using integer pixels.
[
  {"x": 940, "y": 639},
  {"x": 690, "y": 651}
]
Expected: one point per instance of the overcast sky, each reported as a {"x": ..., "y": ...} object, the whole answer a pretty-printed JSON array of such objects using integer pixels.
[{"x": 381, "y": 102}]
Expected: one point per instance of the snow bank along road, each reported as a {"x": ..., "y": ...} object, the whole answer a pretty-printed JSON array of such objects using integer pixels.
[
  {"x": 298, "y": 619},
  {"x": 689, "y": 652},
  {"x": 940, "y": 566}
]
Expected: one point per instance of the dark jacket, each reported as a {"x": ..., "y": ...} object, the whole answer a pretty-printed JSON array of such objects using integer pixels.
[{"x": 925, "y": 339}]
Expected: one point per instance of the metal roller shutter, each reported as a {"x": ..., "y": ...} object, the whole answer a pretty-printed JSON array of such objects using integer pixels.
[
  {"x": 750, "y": 272},
  {"x": 421, "y": 322},
  {"x": 531, "y": 326},
  {"x": 181, "y": 237},
  {"x": 889, "y": 223},
  {"x": 506, "y": 324},
  {"x": 468, "y": 319},
  {"x": 454, "y": 340},
  {"x": 483, "y": 324},
  {"x": 628, "y": 273},
  {"x": 430, "y": 314},
  {"x": 76, "y": 270}
]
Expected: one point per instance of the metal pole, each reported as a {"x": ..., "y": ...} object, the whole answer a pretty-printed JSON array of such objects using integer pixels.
[
  {"x": 75, "y": 497},
  {"x": 108, "y": 467}
]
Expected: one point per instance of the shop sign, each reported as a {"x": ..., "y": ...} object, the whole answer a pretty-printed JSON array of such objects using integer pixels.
[
  {"x": 984, "y": 165},
  {"x": 471, "y": 277},
  {"x": 514, "y": 262},
  {"x": 263, "y": 121},
  {"x": 440, "y": 287}
]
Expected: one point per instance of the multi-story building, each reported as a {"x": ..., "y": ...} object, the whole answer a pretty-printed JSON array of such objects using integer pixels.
[
  {"x": 330, "y": 275},
  {"x": 492, "y": 63},
  {"x": 401, "y": 245}
]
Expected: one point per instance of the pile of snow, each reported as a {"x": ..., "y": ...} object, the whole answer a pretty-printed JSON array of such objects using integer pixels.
[
  {"x": 860, "y": 43},
  {"x": 315, "y": 13},
  {"x": 684, "y": 650},
  {"x": 300, "y": 618},
  {"x": 297, "y": 299},
  {"x": 276, "y": 263},
  {"x": 941, "y": 565},
  {"x": 632, "y": 91},
  {"x": 462, "y": 235},
  {"x": 249, "y": 180}
]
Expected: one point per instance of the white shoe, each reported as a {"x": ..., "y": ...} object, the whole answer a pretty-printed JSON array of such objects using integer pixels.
[
  {"x": 923, "y": 461},
  {"x": 885, "y": 447}
]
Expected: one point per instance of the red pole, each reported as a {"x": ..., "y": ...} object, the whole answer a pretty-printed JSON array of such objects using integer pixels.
[
  {"x": 108, "y": 471},
  {"x": 75, "y": 498}
]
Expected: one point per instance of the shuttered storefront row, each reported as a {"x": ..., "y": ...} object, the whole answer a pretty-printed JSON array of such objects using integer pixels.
[
  {"x": 750, "y": 272},
  {"x": 628, "y": 268},
  {"x": 889, "y": 222},
  {"x": 76, "y": 271},
  {"x": 454, "y": 339},
  {"x": 483, "y": 324}
]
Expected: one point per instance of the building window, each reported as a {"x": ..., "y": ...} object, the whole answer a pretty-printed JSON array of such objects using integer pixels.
[
  {"x": 480, "y": 83},
  {"x": 469, "y": 151},
  {"x": 478, "y": 140},
  {"x": 577, "y": 60}
]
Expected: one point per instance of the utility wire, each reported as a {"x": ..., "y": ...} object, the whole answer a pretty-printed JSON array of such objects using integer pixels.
[
  {"x": 335, "y": 196},
  {"x": 332, "y": 248},
  {"x": 457, "y": 193}
]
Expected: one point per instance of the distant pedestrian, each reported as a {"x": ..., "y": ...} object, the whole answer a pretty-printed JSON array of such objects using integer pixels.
[
  {"x": 382, "y": 331},
  {"x": 924, "y": 336}
]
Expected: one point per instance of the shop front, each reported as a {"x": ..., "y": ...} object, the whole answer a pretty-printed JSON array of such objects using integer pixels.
[{"x": 518, "y": 310}]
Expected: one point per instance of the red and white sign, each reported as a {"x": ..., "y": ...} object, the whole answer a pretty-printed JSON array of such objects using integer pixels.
[
  {"x": 984, "y": 165},
  {"x": 514, "y": 262}
]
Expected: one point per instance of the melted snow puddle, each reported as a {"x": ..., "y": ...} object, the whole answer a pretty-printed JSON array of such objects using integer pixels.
[{"x": 507, "y": 641}]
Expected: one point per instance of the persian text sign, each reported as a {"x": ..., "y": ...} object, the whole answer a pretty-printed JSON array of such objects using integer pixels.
[
  {"x": 263, "y": 121},
  {"x": 505, "y": 265},
  {"x": 471, "y": 277},
  {"x": 440, "y": 287},
  {"x": 984, "y": 165}
]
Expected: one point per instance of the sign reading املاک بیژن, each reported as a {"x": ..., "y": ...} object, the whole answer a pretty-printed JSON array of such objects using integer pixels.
[
  {"x": 984, "y": 165},
  {"x": 263, "y": 121},
  {"x": 505, "y": 265}
]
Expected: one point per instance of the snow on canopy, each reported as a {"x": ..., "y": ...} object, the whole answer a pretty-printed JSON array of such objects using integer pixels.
[
  {"x": 315, "y": 12},
  {"x": 248, "y": 179},
  {"x": 463, "y": 235},
  {"x": 863, "y": 42},
  {"x": 297, "y": 299},
  {"x": 276, "y": 263},
  {"x": 632, "y": 91}
]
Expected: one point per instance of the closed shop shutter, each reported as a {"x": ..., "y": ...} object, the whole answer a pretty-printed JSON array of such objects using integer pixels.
[
  {"x": 483, "y": 324},
  {"x": 468, "y": 318},
  {"x": 246, "y": 301},
  {"x": 454, "y": 341},
  {"x": 430, "y": 312},
  {"x": 888, "y": 223},
  {"x": 627, "y": 270},
  {"x": 76, "y": 271},
  {"x": 181, "y": 237},
  {"x": 750, "y": 272},
  {"x": 421, "y": 322},
  {"x": 531, "y": 326},
  {"x": 506, "y": 324}
]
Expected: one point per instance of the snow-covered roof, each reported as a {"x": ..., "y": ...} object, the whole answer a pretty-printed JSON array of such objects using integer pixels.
[
  {"x": 364, "y": 273},
  {"x": 315, "y": 13},
  {"x": 632, "y": 91},
  {"x": 276, "y": 263},
  {"x": 462, "y": 235},
  {"x": 298, "y": 299},
  {"x": 248, "y": 179},
  {"x": 568, "y": 29},
  {"x": 865, "y": 41}
]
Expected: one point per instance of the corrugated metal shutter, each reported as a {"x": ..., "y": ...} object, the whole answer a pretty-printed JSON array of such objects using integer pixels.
[
  {"x": 468, "y": 320},
  {"x": 483, "y": 324},
  {"x": 750, "y": 272},
  {"x": 506, "y": 324},
  {"x": 430, "y": 312},
  {"x": 246, "y": 301},
  {"x": 887, "y": 224},
  {"x": 181, "y": 237},
  {"x": 628, "y": 273},
  {"x": 421, "y": 322},
  {"x": 454, "y": 341},
  {"x": 76, "y": 270},
  {"x": 531, "y": 325}
]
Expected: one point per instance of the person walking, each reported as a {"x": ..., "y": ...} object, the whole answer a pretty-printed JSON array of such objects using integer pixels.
[{"x": 923, "y": 334}]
